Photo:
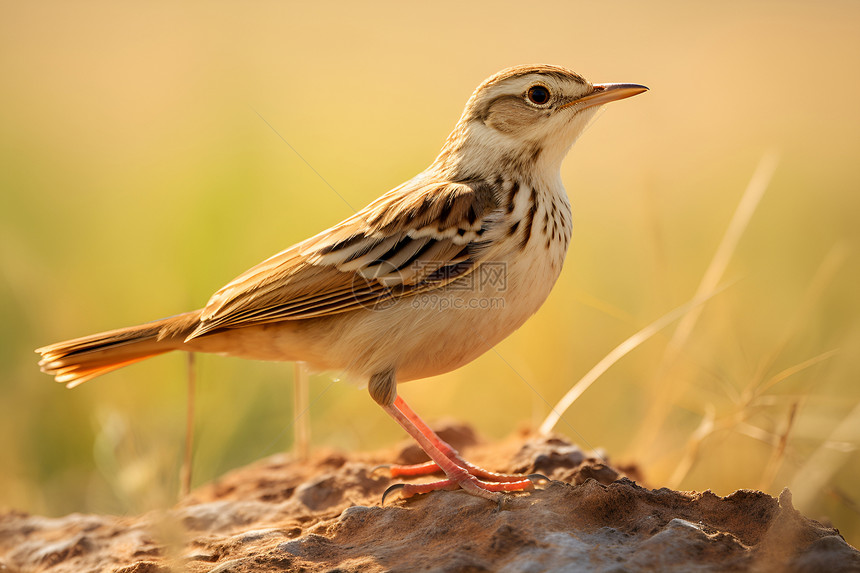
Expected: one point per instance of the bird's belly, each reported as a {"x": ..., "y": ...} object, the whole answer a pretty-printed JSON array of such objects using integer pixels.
[{"x": 474, "y": 321}]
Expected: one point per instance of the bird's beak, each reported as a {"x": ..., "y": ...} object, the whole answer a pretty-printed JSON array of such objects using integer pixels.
[{"x": 605, "y": 93}]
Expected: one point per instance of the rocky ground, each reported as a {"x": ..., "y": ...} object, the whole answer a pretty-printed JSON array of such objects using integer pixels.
[{"x": 324, "y": 515}]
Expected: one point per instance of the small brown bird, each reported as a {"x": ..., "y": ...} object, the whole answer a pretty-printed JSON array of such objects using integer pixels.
[{"x": 423, "y": 280}]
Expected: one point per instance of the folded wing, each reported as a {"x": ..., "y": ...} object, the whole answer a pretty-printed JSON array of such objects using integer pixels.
[{"x": 416, "y": 238}]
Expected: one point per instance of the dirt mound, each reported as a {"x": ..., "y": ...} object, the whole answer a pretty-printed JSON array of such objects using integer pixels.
[{"x": 324, "y": 515}]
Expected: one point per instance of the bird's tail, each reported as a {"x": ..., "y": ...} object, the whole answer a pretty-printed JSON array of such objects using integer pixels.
[{"x": 75, "y": 361}]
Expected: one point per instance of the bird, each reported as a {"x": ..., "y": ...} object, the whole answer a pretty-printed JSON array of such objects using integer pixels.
[{"x": 421, "y": 281}]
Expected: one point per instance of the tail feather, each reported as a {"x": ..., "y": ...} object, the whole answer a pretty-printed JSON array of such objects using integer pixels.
[
  {"x": 75, "y": 374},
  {"x": 73, "y": 362}
]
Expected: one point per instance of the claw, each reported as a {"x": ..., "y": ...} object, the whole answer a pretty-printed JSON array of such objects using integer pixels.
[
  {"x": 391, "y": 489},
  {"x": 381, "y": 467},
  {"x": 500, "y": 505},
  {"x": 538, "y": 479}
]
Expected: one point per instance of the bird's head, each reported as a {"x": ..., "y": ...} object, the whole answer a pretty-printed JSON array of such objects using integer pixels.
[{"x": 525, "y": 117}]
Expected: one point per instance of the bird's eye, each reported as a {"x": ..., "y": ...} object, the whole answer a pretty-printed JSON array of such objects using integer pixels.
[{"x": 538, "y": 95}]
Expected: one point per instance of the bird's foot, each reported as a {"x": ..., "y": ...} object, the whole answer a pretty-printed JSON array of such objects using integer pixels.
[
  {"x": 429, "y": 468},
  {"x": 458, "y": 472},
  {"x": 470, "y": 483}
]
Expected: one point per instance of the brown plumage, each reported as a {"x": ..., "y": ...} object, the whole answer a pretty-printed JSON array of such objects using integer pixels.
[
  {"x": 363, "y": 297},
  {"x": 75, "y": 361}
]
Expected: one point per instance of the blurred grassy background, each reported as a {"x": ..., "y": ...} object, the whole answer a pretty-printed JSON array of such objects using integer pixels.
[{"x": 136, "y": 177}]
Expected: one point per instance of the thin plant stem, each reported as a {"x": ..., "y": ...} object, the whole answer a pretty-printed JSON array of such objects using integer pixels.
[
  {"x": 668, "y": 387},
  {"x": 614, "y": 356},
  {"x": 185, "y": 472},
  {"x": 301, "y": 404}
]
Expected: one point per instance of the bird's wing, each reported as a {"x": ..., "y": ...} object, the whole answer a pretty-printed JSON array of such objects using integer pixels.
[{"x": 418, "y": 237}]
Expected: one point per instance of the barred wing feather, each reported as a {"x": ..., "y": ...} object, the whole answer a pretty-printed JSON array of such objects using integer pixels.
[{"x": 413, "y": 239}]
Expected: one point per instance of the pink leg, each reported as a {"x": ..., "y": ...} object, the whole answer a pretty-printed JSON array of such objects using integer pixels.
[
  {"x": 452, "y": 454},
  {"x": 441, "y": 455}
]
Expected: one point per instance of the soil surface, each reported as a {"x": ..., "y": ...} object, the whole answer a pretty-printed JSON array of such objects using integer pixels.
[{"x": 324, "y": 514}]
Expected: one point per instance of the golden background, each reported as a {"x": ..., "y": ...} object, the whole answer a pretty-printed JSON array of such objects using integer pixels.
[{"x": 146, "y": 160}]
